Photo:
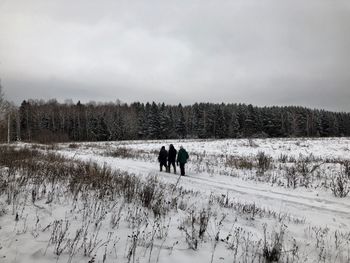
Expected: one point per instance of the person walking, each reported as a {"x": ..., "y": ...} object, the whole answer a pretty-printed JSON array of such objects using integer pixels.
[
  {"x": 162, "y": 158},
  {"x": 172, "y": 157},
  {"x": 182, "y": 158}
]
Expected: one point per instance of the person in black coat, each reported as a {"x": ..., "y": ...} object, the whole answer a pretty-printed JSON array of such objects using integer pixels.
[
  {"x": 162, "y": 158},
  {"x": 172, "y": 157}
]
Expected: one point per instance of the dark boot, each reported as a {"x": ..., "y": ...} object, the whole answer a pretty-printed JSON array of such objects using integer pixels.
[{"x": 182, "y": 168}]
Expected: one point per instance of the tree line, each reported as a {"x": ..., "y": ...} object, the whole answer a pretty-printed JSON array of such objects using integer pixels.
[{"x": 50, "y": 121}]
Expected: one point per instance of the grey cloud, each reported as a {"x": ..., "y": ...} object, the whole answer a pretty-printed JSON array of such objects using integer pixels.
[
  {"x": 64, "y": 90},
  {"x": 262, "y": 52}
]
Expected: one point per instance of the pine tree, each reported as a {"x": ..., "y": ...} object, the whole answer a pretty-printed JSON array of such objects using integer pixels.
[
  {"x": 202, "y": 122},
  {"x": 221, "y": 130},
  {"x": 234, "y": 127},
  {"x": 102, "y": 131},
  {"x": 180, "y": 126},
  {"x": 271, "y": 122},
  {"x": 249, "y": 122},
  {"x": 242, "y": 114},
  {"x": 117, "y": 131},
  {"x": 164, "y": 123},
  {"x": 26, "y": 121},
  {"x": 195, "y": 116},
  {"x": 142, "y": 120},
  {"x": 153, "y": 122},
  {"x": 325, "y": 127}
]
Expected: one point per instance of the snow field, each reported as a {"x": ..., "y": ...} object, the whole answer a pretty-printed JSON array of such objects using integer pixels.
[{"x": 220, "y": 212}]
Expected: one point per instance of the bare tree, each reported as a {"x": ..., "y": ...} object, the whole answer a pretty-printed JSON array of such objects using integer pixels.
[
  {"x": 2, "y": 100},
  {"x": 4, "y": 105},
  {"x": 7, "y": 112},
  {"x": 3, "y": 108}
]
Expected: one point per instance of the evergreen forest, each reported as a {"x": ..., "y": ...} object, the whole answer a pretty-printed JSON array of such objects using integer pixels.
[{"x": 50, "y": 121}]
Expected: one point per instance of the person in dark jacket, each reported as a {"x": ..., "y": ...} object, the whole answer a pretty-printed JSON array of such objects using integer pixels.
[
  {"x": 182, "y": 157},
  {"x": 172, "y": 157},
  {"x": 162, "y": 158}
]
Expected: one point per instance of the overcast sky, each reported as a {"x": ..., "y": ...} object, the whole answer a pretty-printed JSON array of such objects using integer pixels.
[{"x": 278, "y": 52}]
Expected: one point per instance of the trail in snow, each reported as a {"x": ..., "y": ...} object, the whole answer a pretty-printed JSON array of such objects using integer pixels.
[{"x": 318, "y": 210}]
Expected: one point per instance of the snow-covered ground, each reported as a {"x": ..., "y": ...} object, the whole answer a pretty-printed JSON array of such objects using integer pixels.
[{"x": 248, "y": 207}]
